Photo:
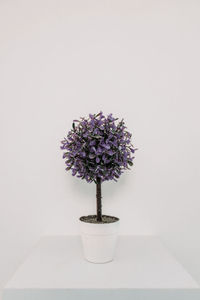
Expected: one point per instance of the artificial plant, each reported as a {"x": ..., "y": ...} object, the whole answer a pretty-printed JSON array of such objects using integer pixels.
[{"x": 98, "y": 148}]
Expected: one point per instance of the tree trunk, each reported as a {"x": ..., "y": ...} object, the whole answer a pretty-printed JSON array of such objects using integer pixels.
[{"x": 98, "y": 195}]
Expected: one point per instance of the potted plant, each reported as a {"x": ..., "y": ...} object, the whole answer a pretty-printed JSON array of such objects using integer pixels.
[{"x": 98, "y": 148}]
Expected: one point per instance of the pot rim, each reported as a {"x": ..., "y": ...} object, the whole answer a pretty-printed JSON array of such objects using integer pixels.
[{"x": 99, "y": 223}]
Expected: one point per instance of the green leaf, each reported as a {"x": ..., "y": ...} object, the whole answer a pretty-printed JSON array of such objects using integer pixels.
[
  {"x": 96, "y": 136},
  {"x": 130, "y": 162}
]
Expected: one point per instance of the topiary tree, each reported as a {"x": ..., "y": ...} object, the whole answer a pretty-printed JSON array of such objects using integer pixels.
[{"x": 98, "y": 149}]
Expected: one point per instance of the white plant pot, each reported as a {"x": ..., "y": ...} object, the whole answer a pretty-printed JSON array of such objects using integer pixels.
[{"x": 99, "y": 241}]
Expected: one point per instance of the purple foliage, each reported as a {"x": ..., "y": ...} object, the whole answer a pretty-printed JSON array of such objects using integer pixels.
[{"x": 98, "y": 147}]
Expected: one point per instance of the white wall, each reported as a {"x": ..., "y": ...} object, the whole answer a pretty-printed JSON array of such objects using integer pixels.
[{"x": 60, "y": 60}]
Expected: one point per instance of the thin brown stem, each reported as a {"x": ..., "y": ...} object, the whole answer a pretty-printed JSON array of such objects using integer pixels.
[{"x": 98, "y": 197}]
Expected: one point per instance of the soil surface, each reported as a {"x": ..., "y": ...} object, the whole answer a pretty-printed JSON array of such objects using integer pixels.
[{"x": 93, "y": 219}]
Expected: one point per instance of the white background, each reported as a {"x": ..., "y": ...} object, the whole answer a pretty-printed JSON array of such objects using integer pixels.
[{"x": 60, "y": 60}]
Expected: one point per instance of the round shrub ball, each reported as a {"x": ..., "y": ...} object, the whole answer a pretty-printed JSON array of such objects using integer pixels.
[{"x": 98, "y": 146}]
